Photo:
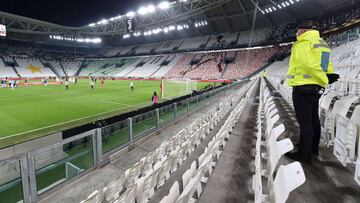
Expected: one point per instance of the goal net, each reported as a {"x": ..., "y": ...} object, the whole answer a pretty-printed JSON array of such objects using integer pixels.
[{"x": 172, "y": 88}]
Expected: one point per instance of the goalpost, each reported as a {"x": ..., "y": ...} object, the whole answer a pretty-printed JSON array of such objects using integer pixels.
[
  {"x": 71, "y": 170},
  {"x": 172, "y": 88}
]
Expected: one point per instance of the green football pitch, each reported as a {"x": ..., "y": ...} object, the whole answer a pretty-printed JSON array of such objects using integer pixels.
[{"x": 30, "y": 112}]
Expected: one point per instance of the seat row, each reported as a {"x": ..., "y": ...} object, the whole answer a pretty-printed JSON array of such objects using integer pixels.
[
  {"x": 194, "y": 180},
  {"x": 268, "y": 148},
  {"x": 141, "y": 181},
  {"x": 340, "y": 117}
]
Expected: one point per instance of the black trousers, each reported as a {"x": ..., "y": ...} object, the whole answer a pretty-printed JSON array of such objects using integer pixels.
[{"x": 306, "y": 104}]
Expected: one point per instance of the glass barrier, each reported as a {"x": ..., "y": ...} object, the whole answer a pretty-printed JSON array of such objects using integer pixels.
[
  {"x": 202, "y": 100},
  {"x": 192, "y": 104},
  {"x": 207, "y": 98},
  {"x": 143, "y": 123},
  {"x": 10, "y": 182},
  {"x": 181, "y": 108},
  {"x": 56, "y": 165},
  {"x": 115, "y": 135},
  {"x": 166, "y": 114}
]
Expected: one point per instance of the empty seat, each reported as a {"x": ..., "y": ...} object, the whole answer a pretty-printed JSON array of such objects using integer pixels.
[
  {"x": 173, "y": 195},
  {"x": 188, "y": 174},
  {"x": 287, "y": 179},
  {"x": 128, "y": 196},
  {"x": 94, "y": 197}
]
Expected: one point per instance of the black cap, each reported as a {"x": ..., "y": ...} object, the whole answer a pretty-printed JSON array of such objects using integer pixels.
[{"x": 311, "y": 25}]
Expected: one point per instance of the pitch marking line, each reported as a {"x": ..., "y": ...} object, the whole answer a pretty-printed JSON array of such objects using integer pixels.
[
  {"x": 111, "y": 102},
  {"x": 61, "y": 123}
]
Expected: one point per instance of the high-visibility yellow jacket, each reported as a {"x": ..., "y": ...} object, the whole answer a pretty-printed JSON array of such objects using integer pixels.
[
  {"x": 264, "y": 74},
  {"x": 309, "y": 61}
]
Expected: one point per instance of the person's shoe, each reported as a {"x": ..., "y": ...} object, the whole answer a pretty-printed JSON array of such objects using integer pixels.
[{"x": 297, "y": 157}]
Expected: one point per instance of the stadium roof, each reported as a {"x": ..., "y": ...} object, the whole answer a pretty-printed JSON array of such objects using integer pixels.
[{"x": 219, "y": 15}]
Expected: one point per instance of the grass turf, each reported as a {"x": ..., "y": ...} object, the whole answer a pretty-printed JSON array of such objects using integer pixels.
[
  {"x": 30, "y": 112},
  {"x": 38, "y": 97}
]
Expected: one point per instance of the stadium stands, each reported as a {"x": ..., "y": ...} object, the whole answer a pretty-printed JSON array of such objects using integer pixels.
[
  {"x": 31, "y": 67},
  {"x": 249, "y": 61},
  {"x": 194, "y": 43},
  {"x": 206, "y": 68},
  {"x": 169, "y": 45},
  {"x": 292, "y": 175},
  {"x": 7, "y": 72},
  {"x": 337, "y": 106},
  {"x": 146, "y": 177},
  {"x": 181, "y": 66}
]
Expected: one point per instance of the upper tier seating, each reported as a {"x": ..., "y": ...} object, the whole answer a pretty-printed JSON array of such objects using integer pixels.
[
  {"x": 181, "y": 66},
  {"x": 71, "y": 67},
  {"x": 169, "y": 45},
  {"x": 193, "y": 43},
  {"x": 249, "y": 61},
  {"x": 207, "y": 67}
]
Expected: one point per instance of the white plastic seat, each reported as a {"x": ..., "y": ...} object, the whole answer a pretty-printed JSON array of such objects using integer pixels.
[
  {"x": 188, "y": 192},
  {"x": 274, "y": 134},
  {"x": 112, "y": 191},
  {"x": 270, "y": 123},
  {"x": 287, "y": 179},
  {"x": 145, "y": 187},
  {"x": 165, "y": 171},
  {"x": 173, "y": 195},
  {"x": 128, "y": 196},
  {"x": 94, "y": 197},
  {"x": 357, "y": 171},
  {"x": 276, "y": 150},
  {"x": 188, "y": 174}
]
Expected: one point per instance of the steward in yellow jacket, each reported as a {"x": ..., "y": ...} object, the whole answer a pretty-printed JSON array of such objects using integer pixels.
[
  {"x": 309, "y": 72},
  {"x": 310, "y": 60}
]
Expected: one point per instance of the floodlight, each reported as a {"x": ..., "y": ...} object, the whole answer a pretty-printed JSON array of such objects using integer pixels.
[
  {"x": 164, "y": 5},
  {"x": 151, "y": 8},
  {"x": 279, "y": 6},
  {"x": 96, "y": 40},
  {"x": 142, "y": 11},
  {"x": 103, "y": 21},
  {"x": 130, "y": 14},
  {"x": 180, "y": 27},
  {"x": 166, "y": 30},
  {"x": 291, "y": 1},
  {"x": 92, "y": 24}
]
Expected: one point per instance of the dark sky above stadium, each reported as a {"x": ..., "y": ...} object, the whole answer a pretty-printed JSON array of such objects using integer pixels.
[{"x": 71, "y": 12}]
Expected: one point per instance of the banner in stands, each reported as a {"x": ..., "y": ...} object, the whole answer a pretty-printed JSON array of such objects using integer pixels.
[
  {"x": 2, "y": 30},
  {"x": 130, "y": 25}
]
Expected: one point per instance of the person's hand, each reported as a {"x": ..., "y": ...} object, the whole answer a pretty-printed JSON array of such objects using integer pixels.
[{"x": 333, "y": 77}]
